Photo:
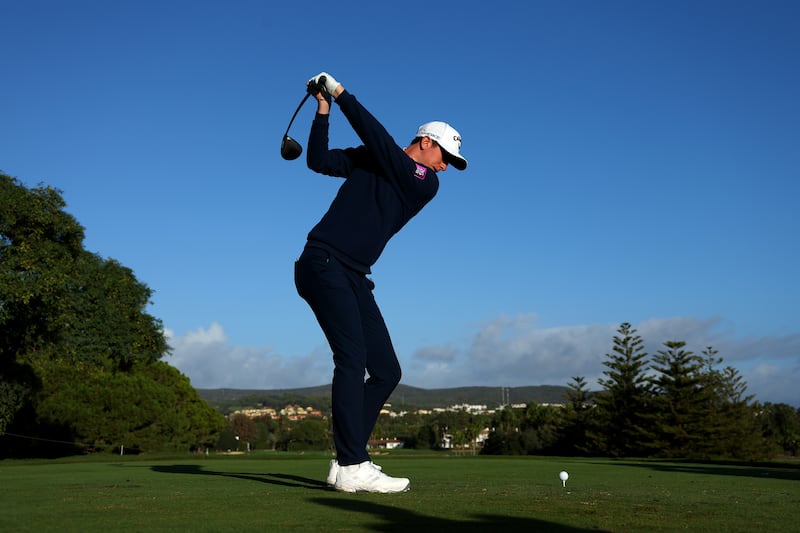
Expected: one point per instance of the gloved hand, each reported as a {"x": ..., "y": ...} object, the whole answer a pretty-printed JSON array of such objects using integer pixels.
[
  {"x": 318, "y": 90},
  {"x": 330, "y": 83}
]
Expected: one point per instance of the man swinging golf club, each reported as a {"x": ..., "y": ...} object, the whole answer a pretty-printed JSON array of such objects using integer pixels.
[{"x": 384, "y": 187}]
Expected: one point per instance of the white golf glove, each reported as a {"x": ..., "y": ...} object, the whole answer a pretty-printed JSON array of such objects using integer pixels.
[{"x": 330, "y": 81}]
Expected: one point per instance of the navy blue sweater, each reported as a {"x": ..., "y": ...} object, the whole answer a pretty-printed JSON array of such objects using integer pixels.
[{"x": 383, "y": 189}]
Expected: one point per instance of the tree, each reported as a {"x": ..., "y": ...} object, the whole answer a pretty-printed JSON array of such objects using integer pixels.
[
  {"x": 243, "y": 428},
  {"x": 505, "y": 438},
  {"x": 38, "y": 243},
  {"x": 16, "y": 389},
  {"x": 504, "y": 443},
  {"x": 781, "y": 427},
  {"x": 266, "y": 437},
  {"x": 577, "y": 419},
  {"x": 107, "y": 302},
  {"x": 80, "y": 357},
  {"x": 623, "y": 425},
  {"x": 541, "y": 428},
  {"x": 731, "y": 427},
  {"x": 310, "y": 434},
  {"x": 683, "y": 401},
  {"x": 153, "y": 409},
  {"x": 425, "y": 438}
]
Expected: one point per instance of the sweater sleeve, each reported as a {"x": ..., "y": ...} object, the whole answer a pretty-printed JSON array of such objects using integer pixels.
[
  {"x": 319, "y": 158},
  {"x": 406, "y": 175}
]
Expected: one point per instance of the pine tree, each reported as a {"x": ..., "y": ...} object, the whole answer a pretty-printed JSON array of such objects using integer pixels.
[
  {"x": 732, "y": 427},
  {"x": 683, "y": 401},
  {"x": 577, "y": 419},
  {"x": 624, "y": 423}
]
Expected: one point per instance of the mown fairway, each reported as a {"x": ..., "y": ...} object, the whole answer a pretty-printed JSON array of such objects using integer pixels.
[{"x": 280, "y": 491}]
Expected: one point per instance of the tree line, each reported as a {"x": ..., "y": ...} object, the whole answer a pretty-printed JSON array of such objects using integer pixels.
[{"x": 81, "y": 364}]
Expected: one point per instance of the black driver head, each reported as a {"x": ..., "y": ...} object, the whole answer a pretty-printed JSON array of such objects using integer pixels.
[{"x": 290, "y": 149}]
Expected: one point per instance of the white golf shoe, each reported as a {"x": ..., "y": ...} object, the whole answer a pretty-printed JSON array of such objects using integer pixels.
[
  {"x": 366, "y": 477},
  {"x": 333, "y": 471}
]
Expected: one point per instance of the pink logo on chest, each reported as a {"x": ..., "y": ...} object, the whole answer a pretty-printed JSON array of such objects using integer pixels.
[{"x": 421, "y": 172}]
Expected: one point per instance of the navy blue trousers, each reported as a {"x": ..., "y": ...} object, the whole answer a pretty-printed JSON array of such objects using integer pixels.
[{"x": 345, "y": 308}]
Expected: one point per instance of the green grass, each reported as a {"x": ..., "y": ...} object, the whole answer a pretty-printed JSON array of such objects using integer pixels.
[{"x": 283, "y": 492}]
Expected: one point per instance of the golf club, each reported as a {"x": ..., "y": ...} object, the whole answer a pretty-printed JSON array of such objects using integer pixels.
[{"x": 290, "y": 148}]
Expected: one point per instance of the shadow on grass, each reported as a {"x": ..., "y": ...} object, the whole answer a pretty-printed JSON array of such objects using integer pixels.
[
  {"x": 285, "y": 480},
  {"x": 787, "y": 471},
  {"x": 390, "y": 519},
  {"x": 387, "y": 518}
]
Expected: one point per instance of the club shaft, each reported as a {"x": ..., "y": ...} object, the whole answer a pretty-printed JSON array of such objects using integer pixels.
[{"x": 303, "y": 101}]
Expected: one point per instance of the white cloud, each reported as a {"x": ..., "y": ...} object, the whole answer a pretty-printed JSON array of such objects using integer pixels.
[
  {"x": 210, "y": 362},
  {"x": 776, "y": 384},
  {"x": 516, "y": 352},
  {"x": 436, "y": 353},
  {"x": 213, "y": 335}
]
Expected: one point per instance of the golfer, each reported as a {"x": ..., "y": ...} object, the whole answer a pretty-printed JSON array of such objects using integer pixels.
[{"x": 384, "y": 187}]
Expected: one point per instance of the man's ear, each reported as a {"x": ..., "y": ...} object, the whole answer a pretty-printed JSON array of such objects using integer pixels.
[{"x": 425, "y": 143}]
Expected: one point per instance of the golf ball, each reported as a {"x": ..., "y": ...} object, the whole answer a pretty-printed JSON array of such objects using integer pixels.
[{"x": 563, "y": 476}]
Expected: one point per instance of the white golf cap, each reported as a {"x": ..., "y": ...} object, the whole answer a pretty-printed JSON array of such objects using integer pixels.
[{"x": 447, "y": 138}]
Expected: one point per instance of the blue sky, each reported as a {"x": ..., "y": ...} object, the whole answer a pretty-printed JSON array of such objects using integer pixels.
[{"x": 628, "y": 162}]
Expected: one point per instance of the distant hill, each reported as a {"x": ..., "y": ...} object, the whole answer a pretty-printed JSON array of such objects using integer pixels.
[{"x": 404, "y": 397}]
